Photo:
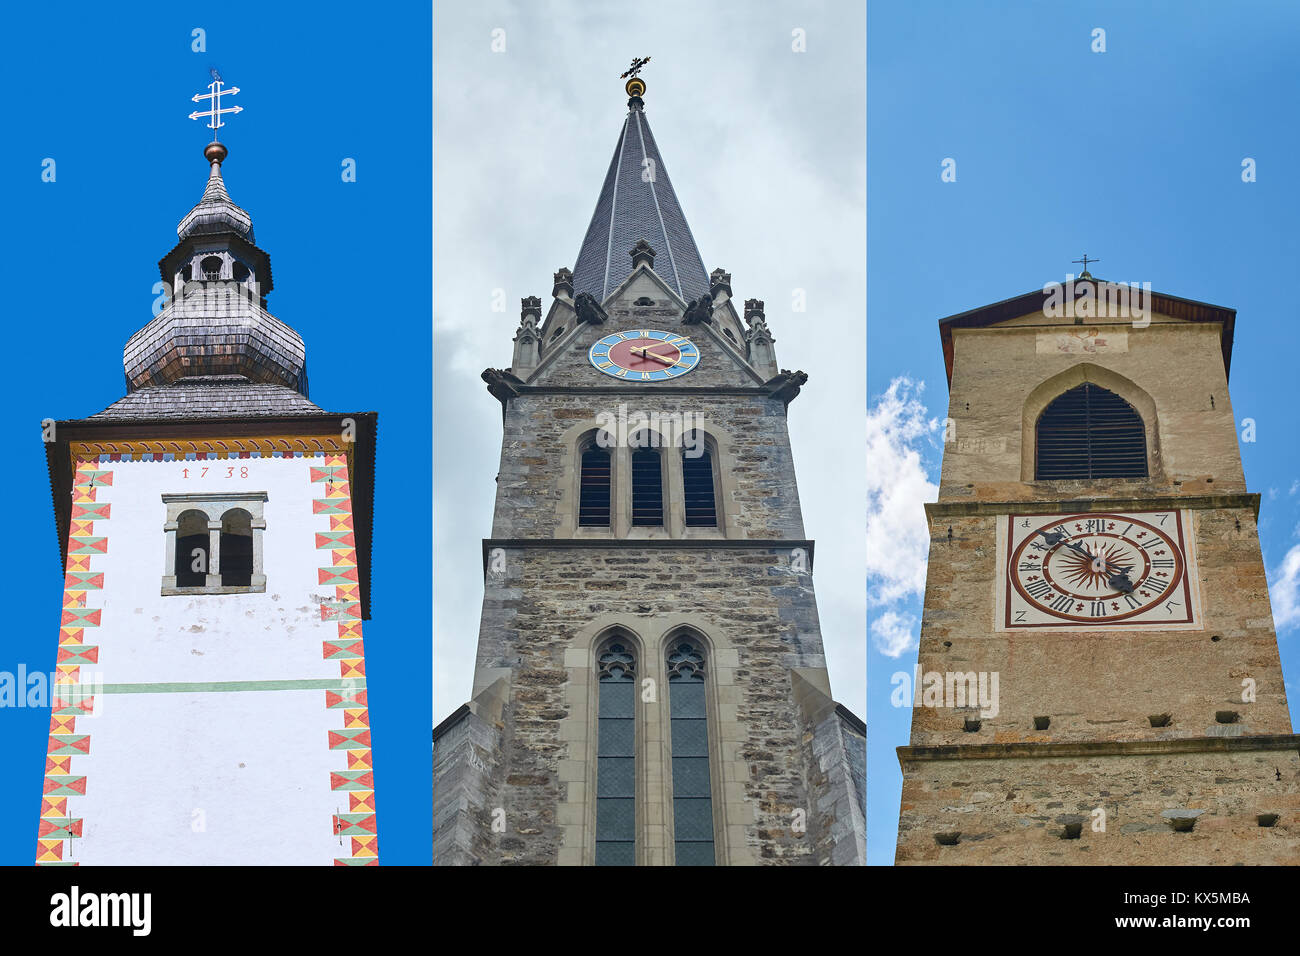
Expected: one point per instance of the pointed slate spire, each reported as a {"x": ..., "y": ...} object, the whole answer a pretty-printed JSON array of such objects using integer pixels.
[{"x": 637, "y": 203}]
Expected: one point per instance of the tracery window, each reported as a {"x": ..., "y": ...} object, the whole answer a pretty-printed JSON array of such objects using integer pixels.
[
  {"x": 688, "y": 715},
  {"x": 616, "y": 755}
]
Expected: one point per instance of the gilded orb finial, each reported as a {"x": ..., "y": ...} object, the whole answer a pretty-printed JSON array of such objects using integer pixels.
[{"x": 635, "y": 85}]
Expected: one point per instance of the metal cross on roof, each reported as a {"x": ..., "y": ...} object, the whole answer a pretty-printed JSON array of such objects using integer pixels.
[
  {"x": 635, "y": 68},
  {"x": 215, "y": 110},
  {"x": 1085, "y": 260}
]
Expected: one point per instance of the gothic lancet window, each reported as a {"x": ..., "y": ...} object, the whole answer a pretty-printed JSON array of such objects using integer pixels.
[
  {"x": 692, "y": 796},
  {"x": 697, "y": 483},
  {"x": 594, "y": 486},
  {"x": 616, "y": 755},
  {"x": 1089, "y": 432},
  {"x": 647, "y": 487}
]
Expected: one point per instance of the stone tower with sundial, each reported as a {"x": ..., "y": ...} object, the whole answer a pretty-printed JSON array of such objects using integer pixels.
[
  {"x": 215, "y": 528},
  {"x": 1099, "y": 679},
  {"x": 650, "y": 686}
]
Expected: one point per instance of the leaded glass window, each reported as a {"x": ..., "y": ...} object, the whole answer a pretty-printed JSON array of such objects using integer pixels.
[
  {"x": 692, "y": 796},
  {"x": 616, "y": 756}
]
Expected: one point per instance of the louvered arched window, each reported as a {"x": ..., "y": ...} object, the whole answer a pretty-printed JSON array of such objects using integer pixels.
[
  {"x": 1089, "y": 432},
  {"x": 647, "y": 484},
  {"x": 594, "y": 485},
  {"x": 616, "y": 755},
  {"x": 688, "y": 715},
  {"x": 701, "y": 508}
]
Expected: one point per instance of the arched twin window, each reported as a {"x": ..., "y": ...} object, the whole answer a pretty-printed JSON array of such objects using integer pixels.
[
  {"x": 213, "y": 544},
  {"x": 1090, "y": 432},
  {"x": 616, "y": 760},
  {"x": 234, "y": 554}
]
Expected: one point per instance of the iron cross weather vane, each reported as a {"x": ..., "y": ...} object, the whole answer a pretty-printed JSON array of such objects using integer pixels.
[
  {"x": 635, "y": 68},
  {"x": 215, "y": 110}
]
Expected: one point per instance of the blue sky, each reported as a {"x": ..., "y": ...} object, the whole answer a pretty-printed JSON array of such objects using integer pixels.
[
  {"x": 1132, "y": 155},
  {"x": 105, "y": 92}
]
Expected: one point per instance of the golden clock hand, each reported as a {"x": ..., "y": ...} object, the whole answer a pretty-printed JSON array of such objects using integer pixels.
[{"x": 646, "y": 353}]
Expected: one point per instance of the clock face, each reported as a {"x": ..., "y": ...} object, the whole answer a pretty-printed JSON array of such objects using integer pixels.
[
  {"x": 645, "y": 355},
  {"x": 1122, "y": 571}
]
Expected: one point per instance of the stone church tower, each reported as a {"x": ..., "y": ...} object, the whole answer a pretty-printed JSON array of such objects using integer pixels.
[
  {"x": 650, "y": 687},
  {"x": 1099, "y": 680},
  {"x": 215, "y": 527}
]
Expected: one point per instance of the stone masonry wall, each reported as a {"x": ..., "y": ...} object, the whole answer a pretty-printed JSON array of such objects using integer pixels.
[
  {"x": 1103, "y": 685},
  {"x": 542, "y": 617},
  {"x": 1013, "y": 812},
  {"x": 760, "y": 487}
]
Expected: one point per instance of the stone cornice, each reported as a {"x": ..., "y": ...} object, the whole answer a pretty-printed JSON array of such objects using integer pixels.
[
  {"x": 1100, "y": 748},
  {"x": 958, "y": 509},
  {"x": 642, "y": 544}
]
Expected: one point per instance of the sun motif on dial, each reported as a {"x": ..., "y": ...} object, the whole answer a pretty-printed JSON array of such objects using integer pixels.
[
  {"x": 644, "y": 355},
  {"x": 1096, "y": 569},
  {"x": 1093, "y": 570}
]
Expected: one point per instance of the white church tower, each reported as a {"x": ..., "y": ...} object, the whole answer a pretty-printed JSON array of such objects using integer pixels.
[{"x": 210, "y": 705}]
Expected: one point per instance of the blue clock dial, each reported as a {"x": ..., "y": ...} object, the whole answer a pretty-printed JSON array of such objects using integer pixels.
[{"x": 644, "y": 355}]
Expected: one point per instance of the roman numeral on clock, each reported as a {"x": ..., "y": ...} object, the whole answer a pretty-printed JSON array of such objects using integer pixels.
[
  {"x": 1037, "y": 588},
  {"x": 1062, "y": 603}
]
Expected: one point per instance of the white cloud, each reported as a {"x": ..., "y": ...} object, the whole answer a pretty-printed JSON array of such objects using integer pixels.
[
  {"x": 898, "y": 538},
  {"x": 1295, "y": 486},
  {"x": 1285, "y": 592},
  {"x": 893, "y": 634}
]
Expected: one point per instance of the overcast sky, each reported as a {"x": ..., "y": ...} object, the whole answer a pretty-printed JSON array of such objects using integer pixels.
[{"x": 765, "y": 149}]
